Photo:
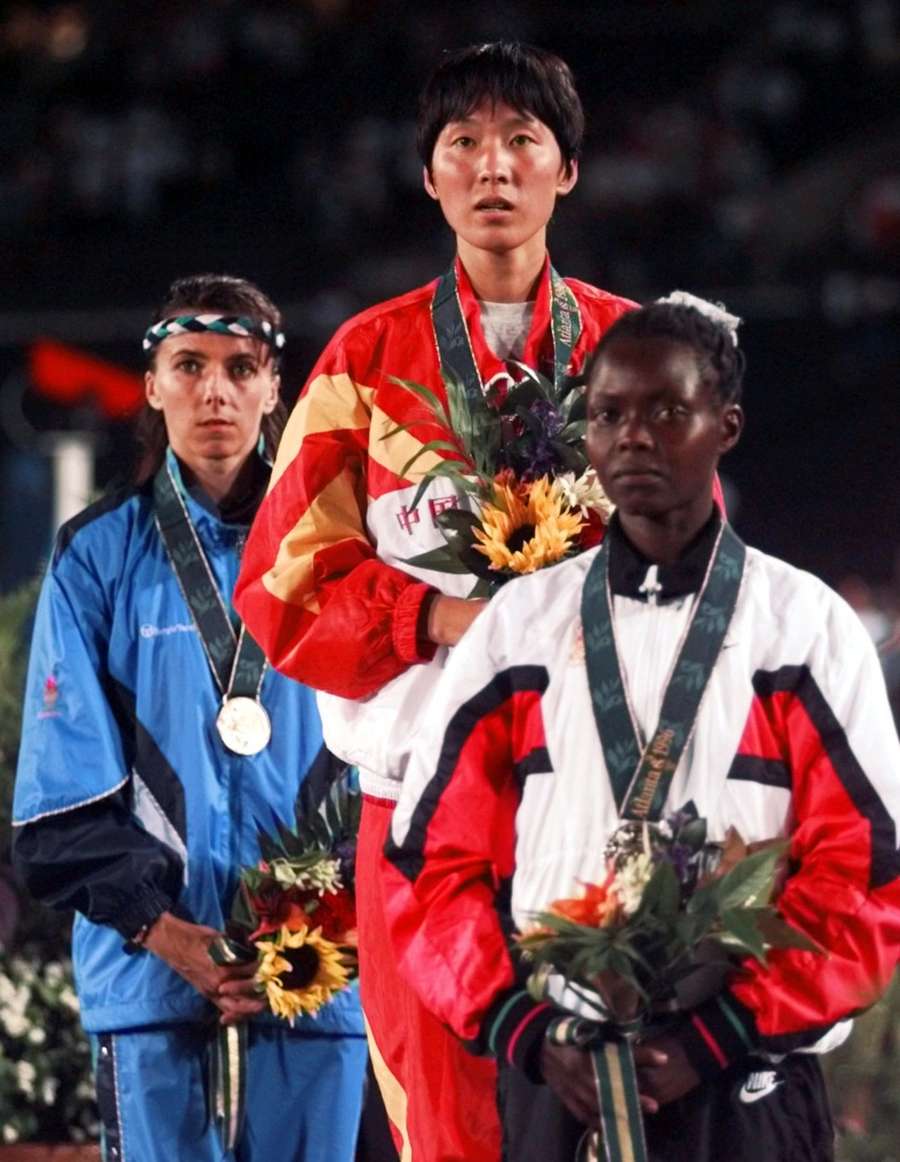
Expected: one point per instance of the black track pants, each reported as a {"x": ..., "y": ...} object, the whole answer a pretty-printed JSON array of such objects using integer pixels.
[{"x": 753, "y": 1112}]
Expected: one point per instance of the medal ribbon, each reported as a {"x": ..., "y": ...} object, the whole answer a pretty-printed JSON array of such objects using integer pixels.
[
  {"x": 237, "y": 662},
  {"x": 621, "y": 1133},
  {"x": 455, "y": 345},
  {"x": 640, "y": 773}
]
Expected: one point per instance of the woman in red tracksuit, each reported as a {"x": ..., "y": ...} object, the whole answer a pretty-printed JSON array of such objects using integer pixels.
[{"x": 325, "y": 585}]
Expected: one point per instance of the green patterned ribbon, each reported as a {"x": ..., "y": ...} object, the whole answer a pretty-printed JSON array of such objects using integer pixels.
[
  {"x": 621, "y": 1133},
  {"x": 236, "y": 661},
  {"x": 455, "y": 346},
  {"x": 640, "y": 773},
  {"x": 227, "y": 1080}
]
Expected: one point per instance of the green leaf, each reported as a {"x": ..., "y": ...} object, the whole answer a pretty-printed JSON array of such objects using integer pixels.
[
  {"x": 428, "y": 397},
  {"x": 751, "y": 881},
  {"x": 741, "y": 930},
  {"x": 692, "y": 834},
  {"x": 452, "y": 469},
  {"x": 442, "y": 560},
  {"x": 573, "y": 431},
  {"x": 778, "y": 933},
  {"x": 573, "y": 459},
  {"x": 662, "y": 895},
  {"x": 431, "y": 446}
]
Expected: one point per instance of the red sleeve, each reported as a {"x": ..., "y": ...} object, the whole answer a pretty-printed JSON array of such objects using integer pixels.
[
  {"x": 825, "y": 728},
  {"x": 450, "y": 858},
  {"x": 311, "y": 589}
]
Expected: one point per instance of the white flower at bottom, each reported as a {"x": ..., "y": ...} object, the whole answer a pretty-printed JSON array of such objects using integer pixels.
[
  {"x": 15, "y": 1023},
  {"x": 26, "y": 1075},
  {"x": 631, "y": 879},
  {"x": 10, "y": 1133}
]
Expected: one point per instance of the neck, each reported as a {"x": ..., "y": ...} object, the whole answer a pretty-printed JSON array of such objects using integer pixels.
[
  {"x": 509, "y": 277},
  {"x": 221, "y": 480},
  {"x": 662, "y": 538}
]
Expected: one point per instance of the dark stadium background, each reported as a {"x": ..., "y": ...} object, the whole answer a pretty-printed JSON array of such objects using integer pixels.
[{"x": 749, "y": 152}]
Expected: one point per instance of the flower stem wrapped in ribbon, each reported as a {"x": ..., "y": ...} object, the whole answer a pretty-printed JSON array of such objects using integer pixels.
[
  {"x": 294, "y": 914},
  {"x": 515, "y": 456},
  {"x": 672, "y": 917}
]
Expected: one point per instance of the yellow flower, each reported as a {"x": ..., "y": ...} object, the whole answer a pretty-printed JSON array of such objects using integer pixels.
[
  {"x": 301, "y": 971},
  {"x": 528, "y": 527}
]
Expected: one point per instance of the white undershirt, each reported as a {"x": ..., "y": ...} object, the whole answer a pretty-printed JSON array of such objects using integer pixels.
[{"x": 506, "y": 327}]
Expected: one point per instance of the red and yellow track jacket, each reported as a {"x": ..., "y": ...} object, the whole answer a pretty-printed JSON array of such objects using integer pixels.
[
  {"x": 507, "y": 802},
  {"x": 324, "y": 585}
]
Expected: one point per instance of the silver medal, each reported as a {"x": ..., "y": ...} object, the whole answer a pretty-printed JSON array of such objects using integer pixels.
[{"x": 244, "y": 725}]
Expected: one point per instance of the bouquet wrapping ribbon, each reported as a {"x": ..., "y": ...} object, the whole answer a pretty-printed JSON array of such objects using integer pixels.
[
  {"x": 227, "y": 1077},
  {"x": 621, "y": 1133}
]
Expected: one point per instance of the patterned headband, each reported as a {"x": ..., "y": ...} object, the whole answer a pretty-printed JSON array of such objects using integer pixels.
[{"x": 240, "y": 326}]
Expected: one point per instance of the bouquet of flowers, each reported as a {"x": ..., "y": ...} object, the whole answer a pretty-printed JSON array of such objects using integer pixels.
[
  {"x": 671, "y": 905},
  {"x": 294, "y": 914},
  {"x": 674, "y": 914},
  {"x": 295, "y": 909},
  {"x": 528, "y": 497}
]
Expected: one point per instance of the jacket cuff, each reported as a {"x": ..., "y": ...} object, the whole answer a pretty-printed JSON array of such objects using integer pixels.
[
  {"x": 147, "y": 905},
  {"x": 716, "y": 1034},
  {"x": 408, "y": 645},
  {"x": 514, "y": 1029}
]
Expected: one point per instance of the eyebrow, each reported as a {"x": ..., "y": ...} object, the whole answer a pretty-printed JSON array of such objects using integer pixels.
[
  {"x": 195, "y": 354},
  {"x": 516, "y": 119}
]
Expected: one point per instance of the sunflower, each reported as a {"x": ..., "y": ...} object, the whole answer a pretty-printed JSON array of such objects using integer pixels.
[
  {"x": 301, "y": 971},
  {"x": 527, "y": 527}
]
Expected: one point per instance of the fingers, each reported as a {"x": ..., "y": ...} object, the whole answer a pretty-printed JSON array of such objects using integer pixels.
[
  {"x": 232, "y": 1010},
  {"x": 645, "y": 1056},
  {"x": 240, "y": 987}
]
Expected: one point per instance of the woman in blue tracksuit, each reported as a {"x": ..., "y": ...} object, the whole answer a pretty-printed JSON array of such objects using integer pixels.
[{"x": 149, "y": 762}]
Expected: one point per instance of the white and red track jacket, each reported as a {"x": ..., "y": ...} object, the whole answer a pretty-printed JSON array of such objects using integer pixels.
[
  {"x": 508, "y": 791},
  {"x": 324, "y": 585}
]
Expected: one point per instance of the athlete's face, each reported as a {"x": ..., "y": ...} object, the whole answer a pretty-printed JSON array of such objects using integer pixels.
[
  {"x": 656, "y": 427},
  {"x": 497, "y": 174},
  {"x": 213, "y": 391}
]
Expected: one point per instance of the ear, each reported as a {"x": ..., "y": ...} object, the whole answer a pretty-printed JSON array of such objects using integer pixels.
[
  {"x": 153, "y": 398},
  {"x": 428, "y": 183},
  {"x": 732, "y": 426},
  {"x": 271, "y": 399},
  {"x": 568, "y": 178}
]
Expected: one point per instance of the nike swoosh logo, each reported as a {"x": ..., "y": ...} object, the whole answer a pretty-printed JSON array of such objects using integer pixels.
[{"x": 749, "y": 1096}]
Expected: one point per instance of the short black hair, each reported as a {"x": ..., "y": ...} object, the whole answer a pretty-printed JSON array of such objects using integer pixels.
[
  {"x": 219, "y": 294},
  {"x": 528, "y": 79},
  {"x": 719, "y": 358}
]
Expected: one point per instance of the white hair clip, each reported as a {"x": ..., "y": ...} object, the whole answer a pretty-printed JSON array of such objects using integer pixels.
[{"x": 714, "y": 311}]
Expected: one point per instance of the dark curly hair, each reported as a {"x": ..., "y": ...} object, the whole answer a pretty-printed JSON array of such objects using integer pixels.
[
  {"x": 528, "y": 79},
  {"x": 720, "y": 360},
  {"x": 222, "y": 294}
]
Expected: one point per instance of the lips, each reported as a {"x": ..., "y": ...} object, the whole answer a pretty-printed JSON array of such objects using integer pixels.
[
  {"x": 635, "y": 470},
  {"x": 493, "y": 205}
]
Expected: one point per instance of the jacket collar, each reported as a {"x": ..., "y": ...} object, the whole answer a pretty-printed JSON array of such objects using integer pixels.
[
  {"x": 239, "y": 511},
  {"x": 630, "y": 571},
  {"x": 538, "y": 350}
]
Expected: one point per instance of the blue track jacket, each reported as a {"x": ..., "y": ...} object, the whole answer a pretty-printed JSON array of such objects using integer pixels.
[{"x": 127, "y": 803}]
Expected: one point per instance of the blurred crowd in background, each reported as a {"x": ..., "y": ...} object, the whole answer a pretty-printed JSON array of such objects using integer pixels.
[{"x": 749, "y": 152}]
